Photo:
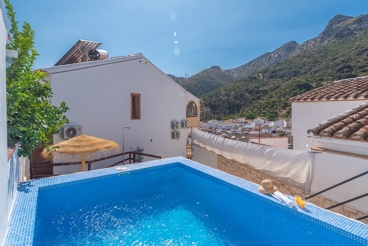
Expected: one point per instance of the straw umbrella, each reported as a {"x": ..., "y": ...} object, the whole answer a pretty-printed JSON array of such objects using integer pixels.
[{"x": 84, "y": 145}]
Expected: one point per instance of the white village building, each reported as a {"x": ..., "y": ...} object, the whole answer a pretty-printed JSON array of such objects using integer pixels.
[
  {"x": 289, "y": 123},
  {"x": 313, "y": 107},
  {"x": 343, "y": 142},
  {"x": 213, "y": 123},
  {"x": 332, "y": 120},
  {"x": 130, "y": 92},
  {"x": 288, "y": 130},
  {"x": 267, "y": 129},
  {"x": 281, "y": 124},
  {"x": 226, "y": 125}
]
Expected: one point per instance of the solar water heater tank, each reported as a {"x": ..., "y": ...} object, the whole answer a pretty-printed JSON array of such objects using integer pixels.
[{"x": 95, "y": 54}]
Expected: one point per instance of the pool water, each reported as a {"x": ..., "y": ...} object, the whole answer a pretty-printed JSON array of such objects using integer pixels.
[{"x": 168, "y": 205}]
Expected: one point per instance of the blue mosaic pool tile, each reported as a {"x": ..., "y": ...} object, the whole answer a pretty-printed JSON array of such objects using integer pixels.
[{"x": 21, "y": 225}]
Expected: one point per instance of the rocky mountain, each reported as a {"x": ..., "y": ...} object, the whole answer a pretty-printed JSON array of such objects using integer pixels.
[
  {"x": 339, "y": 52},
  {"x": 176, "y": 79},
  {"x": 207, "y": 80},
  {"x": 281, "y": 54},
  {"x": 338, "y": 28},
  {"x": 264, "y": 85}
]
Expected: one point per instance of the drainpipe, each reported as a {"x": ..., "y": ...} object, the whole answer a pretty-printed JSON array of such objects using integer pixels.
[{"x": 191, "y": 144}]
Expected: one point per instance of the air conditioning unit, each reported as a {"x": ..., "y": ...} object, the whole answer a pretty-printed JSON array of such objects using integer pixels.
[
  {"x": 175, "y": 125},
  {"x": 70, "y": 131},
  {"x": 137, "y": 157},
  {"x": 184, "y": 124},
  {"x": 175, "y": 135}
]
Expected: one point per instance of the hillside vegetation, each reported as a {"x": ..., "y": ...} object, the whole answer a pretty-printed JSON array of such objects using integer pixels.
[
  {"x": 267, "y": 92},
  {"x": 280, "y": 54},
  {"x": 175, "y": 78},
  {"x": 207, "y": 80}
]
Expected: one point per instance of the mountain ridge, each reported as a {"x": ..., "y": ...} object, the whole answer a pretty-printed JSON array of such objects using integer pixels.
[
  {"x": 267, "y": 92},
  {"x": 175, "y": 78},
  {"x": 207, "y": 80},
  {"x": 280, "y": 54},
  {"x": 339, "y": 51},
  {"x": 338, "y": 28}
]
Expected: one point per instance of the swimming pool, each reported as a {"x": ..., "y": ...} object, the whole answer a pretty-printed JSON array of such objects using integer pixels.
[{"x": 168, "y": 202}]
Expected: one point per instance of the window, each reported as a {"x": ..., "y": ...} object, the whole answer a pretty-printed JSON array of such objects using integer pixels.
[
  {"x": 192, "y": 110},
  {"x": 135, "y": 106}
]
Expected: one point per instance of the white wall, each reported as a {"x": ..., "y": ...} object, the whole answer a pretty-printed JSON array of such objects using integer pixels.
[
  {"x": 212, "y": 123},
  {"x": 24, "y": 169},
  {"x": 15, "y": 168},
  {"x": 280, "y": 123},
  {"x": 275, "y": 142},
  {"x": 330, "y": 169},
  {"x": 307, "y": 115},
  {"x": 4, "y": 170},
  {"x": 349, "y": 146},
  {"x": 205, "y": 157},
  {"x": 99, "y": 101}
]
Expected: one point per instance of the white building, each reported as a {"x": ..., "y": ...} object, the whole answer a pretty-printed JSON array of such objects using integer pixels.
[
  {"x": 212, "y": 123},
  {"x": 288, "y": 130},
  {"x": 249, "y": 126},
  {"x": 267, "y": 129},
  {"x": 226, "y": 125},
  {"x": 313, "y": 107},
  {"x": 343, "y": 142},
  {"x": 129, "y": 91},
  {"x": 288, "y": 123},
  {"x": 279, "y": 142},
  {"x": 259, "y": 121},
  {"x": 281, "y": 123},
  {"x": 4, "y": 173},
  {"x": 203, "y": 124},
  {"x": 256, "y": 131},
  {"x": 9, "y": 175},
  {"x": 332, "y": 117}
]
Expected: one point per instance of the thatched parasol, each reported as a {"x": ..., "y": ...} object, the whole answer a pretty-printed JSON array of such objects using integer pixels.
[{"x": 83, "y": 145}]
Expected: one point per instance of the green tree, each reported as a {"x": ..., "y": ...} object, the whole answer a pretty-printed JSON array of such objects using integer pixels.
[
  {"x": 250, "y": 116},
  {"x": 31, "y": 119}
]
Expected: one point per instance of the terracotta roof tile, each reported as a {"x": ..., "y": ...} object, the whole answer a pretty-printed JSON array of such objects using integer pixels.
[
  {"x": 352, "y": 124},
  {"x": 346, "y": 89}
]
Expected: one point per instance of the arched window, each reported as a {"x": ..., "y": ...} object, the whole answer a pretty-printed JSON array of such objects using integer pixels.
[{"x": 192, "y": 110}]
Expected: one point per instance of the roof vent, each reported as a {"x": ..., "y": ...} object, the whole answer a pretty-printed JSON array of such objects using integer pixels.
[{"x": 95, "y": 55}]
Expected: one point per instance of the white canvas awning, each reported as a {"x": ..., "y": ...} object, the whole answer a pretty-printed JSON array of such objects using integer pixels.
[{"x": 290, "y": 166}]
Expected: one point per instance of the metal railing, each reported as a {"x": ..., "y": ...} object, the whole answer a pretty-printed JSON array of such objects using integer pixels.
[
  {"x": 130, "y": 159},
  {"x": 344, "y": 202}
]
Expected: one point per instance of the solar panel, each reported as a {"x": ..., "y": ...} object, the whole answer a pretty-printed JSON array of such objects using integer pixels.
[{"x": 78, "y": 53}]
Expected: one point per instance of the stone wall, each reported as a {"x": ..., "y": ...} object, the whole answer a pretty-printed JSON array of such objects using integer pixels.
[{"x": 235, "y": 168}]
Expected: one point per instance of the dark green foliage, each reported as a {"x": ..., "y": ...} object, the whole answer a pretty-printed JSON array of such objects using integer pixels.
[
  {"x": 267, "y": 93},
  {"x": 176, "y": 79},
  {"x": 249, "y": 116},
  {"x": 207, "y": 80},
  {"x": 31, "y": 119}
]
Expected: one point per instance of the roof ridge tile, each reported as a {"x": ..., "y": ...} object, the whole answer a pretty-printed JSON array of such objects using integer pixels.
[
  {"x": 345, "y": 125},
  {"x": 344, "y": 89}
]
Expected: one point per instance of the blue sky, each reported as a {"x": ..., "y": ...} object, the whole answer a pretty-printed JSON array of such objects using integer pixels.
[{"x": 226, "y": 33}]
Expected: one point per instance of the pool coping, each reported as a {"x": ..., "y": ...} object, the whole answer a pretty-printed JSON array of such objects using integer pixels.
[{"x": 21, "y": 223}]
